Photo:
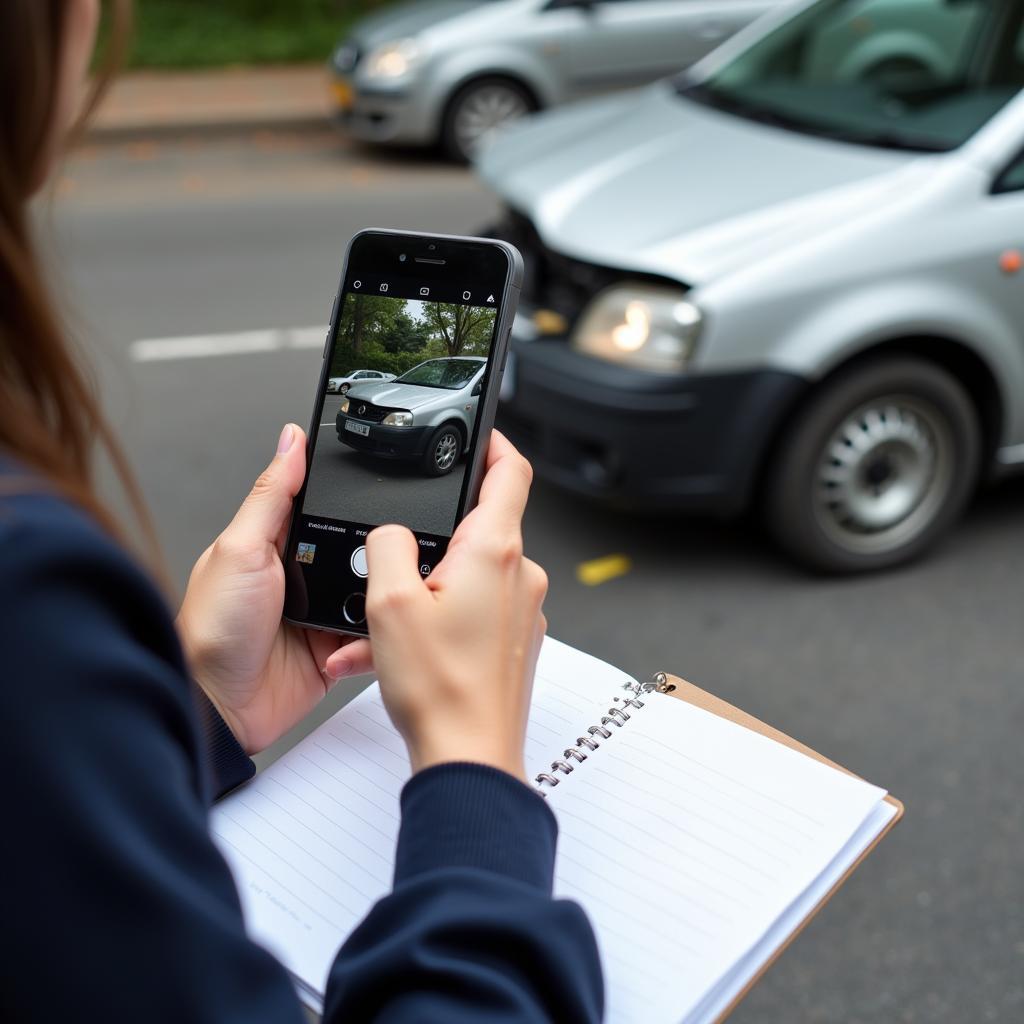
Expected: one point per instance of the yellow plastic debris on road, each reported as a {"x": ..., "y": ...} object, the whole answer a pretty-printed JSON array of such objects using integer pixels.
[{"x": 601, "y": 570}]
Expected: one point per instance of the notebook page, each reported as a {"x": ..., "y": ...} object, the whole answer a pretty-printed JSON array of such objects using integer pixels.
[
  {"x": 686, "y": 826},
  {"x": 717, "y": 1001},
  {"x": 311, "y": 840}
]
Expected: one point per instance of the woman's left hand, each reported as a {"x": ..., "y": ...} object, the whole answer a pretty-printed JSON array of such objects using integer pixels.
[{"x": 261, "y": 674}]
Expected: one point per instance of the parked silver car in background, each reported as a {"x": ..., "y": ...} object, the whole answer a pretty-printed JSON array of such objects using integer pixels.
[
  {"x": 450, "y": 71},
  {"x": 790, "y": 279},
  {"x": 340, "y": 385}
]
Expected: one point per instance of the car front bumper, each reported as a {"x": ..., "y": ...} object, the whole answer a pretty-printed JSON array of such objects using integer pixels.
[
  {"x": 387, "y": 442},
  {"x": 397, "y": 116},
  {"x": 693, "y": 442}
]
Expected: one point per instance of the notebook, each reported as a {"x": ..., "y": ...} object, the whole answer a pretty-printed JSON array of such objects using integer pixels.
[{"x": 679, "y": 816}]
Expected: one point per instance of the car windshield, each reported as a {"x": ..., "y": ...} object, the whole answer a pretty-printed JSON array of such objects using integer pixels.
[
  {"x": 452, "y": 374},
  {"x": 904, "y": 74}
]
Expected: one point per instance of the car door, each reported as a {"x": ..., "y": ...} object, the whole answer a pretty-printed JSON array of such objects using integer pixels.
[
  {"x": 472, "y": 398},
  {"x": 997, "y": 271},
  {"x": 623, "y": 43}
]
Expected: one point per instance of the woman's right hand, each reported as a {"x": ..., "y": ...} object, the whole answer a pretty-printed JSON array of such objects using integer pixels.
[{"x": 456, "y": 652}]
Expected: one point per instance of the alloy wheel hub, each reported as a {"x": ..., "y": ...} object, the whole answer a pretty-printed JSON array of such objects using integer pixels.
[
  {"x": 444, "y": 454},
  {"x": 484, "y": 110}
]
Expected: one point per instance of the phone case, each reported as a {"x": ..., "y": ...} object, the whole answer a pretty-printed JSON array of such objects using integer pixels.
[{"x": 489, "y": 398}]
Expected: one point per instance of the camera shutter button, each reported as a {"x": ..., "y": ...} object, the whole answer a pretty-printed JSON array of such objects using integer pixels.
[{"x": 358, "y": 562}]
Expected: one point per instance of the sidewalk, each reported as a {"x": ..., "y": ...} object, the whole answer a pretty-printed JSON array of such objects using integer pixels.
[{"x": 144, "y": 104}]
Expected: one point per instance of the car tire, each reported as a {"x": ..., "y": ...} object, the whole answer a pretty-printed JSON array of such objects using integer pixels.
[
  {"x": 480, "y": 106},
  {"x": 877, "y": 465},
  {"x": 343, "y": 390},
  {"x": 443, "y": 450}
]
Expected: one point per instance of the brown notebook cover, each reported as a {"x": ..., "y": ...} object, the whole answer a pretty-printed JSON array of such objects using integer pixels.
[{"x": 702, "y": 699}]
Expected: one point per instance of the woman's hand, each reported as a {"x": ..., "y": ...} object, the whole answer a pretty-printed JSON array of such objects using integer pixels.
[
  {"x": 456, "y": 652},
  {"x": 261, "y": 674}
]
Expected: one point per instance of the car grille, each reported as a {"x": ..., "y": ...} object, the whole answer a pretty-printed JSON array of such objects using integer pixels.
[
  {"x": 367, "y": 411},
  {"x": 552, "y": 281}
]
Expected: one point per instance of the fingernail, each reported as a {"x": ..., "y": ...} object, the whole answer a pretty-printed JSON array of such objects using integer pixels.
[
  {"x": 285, "y": 441},
  {"x": 340, "y": 669}
]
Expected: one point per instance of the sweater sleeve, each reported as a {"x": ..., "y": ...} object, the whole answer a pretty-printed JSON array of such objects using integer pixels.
[
  {"x": 228, "y": 763},
  {"x": 471, "y": 932}
]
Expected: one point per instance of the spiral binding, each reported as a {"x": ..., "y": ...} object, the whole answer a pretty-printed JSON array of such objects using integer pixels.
[{"x": 616, "y": 716}]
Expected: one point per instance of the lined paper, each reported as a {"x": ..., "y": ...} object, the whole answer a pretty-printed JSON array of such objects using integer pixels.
[
  {"x": 689, "y": 840},
  {"x": 311, "y": 840},
  {"x": 688, "y": 833}
]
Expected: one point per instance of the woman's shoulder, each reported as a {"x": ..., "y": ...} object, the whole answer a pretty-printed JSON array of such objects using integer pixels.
[
  {"x": 36, "y": 521},
  {"x": 49, "y": 546}
]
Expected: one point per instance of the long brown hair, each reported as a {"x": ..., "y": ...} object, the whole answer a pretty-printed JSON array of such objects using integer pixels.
[{"x": 50, "y": 418}]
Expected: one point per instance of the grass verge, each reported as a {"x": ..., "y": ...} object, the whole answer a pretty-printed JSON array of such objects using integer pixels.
[{"x": 204, "y": 34}]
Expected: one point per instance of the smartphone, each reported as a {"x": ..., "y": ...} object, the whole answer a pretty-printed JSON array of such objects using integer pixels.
[{"x": 403, "y": 411}]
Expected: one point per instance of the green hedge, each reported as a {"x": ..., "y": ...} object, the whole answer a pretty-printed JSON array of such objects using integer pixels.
[{"x": 214, "y": 33}]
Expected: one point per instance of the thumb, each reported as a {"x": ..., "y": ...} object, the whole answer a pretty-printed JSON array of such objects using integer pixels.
[
  {"x": 393, "y": 578},
  {"x": 265, "y": 511}
]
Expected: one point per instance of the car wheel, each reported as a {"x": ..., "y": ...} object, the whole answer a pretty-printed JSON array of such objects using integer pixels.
[
  {"x": 877, "y": 466},
  {"x": 344, "y": 389},
  {"x": 443, "y": 451},
  {"x": 477, "y": 109}
]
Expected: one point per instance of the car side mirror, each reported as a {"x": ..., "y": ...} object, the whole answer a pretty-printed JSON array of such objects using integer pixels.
[{"x": 477, "y": 389}]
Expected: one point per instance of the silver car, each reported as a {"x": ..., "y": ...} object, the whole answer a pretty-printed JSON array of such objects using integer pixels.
[
  {"x": 340, "y": 385},
  {"x": 450, "y": 71},
  {"x": 426, "y": 415},
  {"x": 790, "y": 278}
]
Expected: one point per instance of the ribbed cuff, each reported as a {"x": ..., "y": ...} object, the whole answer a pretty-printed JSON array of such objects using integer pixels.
[
  {"x": 229, "y": 765},
  {"x": 475, "y": 816}
]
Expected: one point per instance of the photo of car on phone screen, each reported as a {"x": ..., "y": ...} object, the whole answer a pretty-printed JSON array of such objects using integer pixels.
[
  {"x": 405, "y": 404},
  {"x": 428, "y": 413}
]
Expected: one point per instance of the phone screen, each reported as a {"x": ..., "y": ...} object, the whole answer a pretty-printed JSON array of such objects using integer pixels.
[{"x": 397, "y": 419}]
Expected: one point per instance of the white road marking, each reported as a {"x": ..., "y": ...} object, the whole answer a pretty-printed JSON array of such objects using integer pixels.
[{"x": 201, "y": 346}]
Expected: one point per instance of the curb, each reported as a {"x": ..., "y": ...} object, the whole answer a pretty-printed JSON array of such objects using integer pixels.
[{"x": 101, "y": 134}]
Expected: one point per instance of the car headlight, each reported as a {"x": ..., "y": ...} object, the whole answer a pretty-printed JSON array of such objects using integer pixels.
[
  {"x": 344, "y": 405},
  {"x": 650, "y": 327},
  {"x": 398, "y": 419},
  {"x": 392, "y": 60}
]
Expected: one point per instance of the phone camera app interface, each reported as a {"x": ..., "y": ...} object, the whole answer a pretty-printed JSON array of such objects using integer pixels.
[{"x": 395, "y": 437}]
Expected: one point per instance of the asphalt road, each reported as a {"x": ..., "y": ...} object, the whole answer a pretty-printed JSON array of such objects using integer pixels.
[
  {"x": 363, "y": 488},
  {"x": 912, "y": 679}
]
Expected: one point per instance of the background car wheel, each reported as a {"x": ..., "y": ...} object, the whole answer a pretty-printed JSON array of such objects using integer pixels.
[
  {"x": 875, "y": 468},
  {"x": 344, "y": 389},
  {"x": 443, "y": 451},
  {"x": 479, "y": 107}
]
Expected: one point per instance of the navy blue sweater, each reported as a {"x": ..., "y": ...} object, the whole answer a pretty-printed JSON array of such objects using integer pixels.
[{"x": 116, "y": 905}]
